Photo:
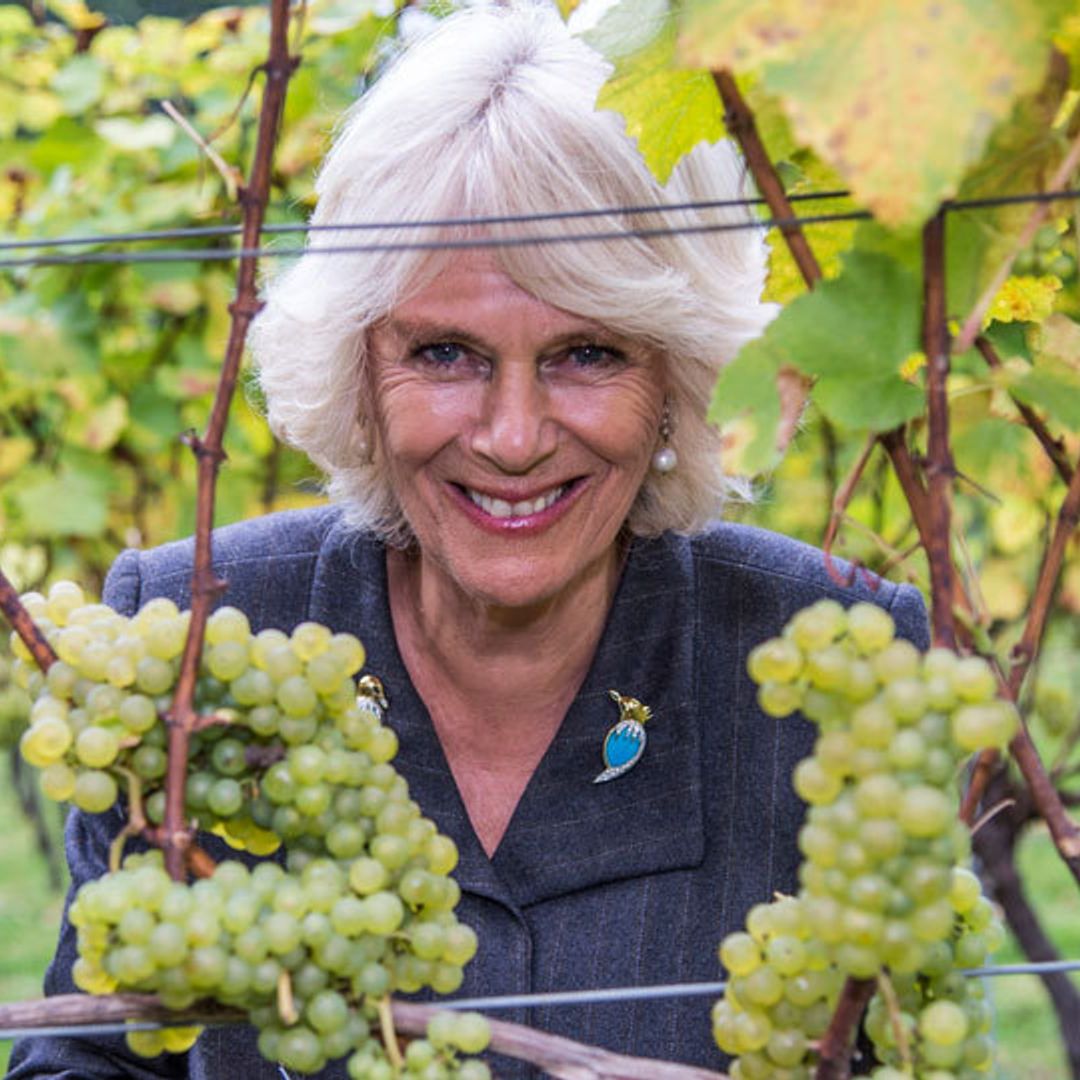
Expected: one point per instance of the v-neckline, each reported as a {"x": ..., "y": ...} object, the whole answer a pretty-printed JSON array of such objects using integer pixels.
[{"x": 591, "y": 832}]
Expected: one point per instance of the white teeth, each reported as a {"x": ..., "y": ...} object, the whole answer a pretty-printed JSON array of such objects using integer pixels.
[{"x": 500, "y": 508}]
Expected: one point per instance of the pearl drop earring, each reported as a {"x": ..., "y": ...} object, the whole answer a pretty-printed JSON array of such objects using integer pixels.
[{"x": 664, "y": 459}]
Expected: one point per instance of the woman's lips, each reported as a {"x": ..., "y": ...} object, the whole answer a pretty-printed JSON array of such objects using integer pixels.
[{"x": 522, "y": 515}]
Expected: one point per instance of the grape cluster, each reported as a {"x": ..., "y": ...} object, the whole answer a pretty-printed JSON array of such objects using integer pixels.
[
  {"x": 883, "y": 894},
  {"x": 1049, "y": 253},
  {"x": 364, "y": 905}
]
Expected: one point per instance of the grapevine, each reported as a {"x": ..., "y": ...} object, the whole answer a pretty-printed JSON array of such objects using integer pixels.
[
  {"x": 286, "y": 749},
  {"x": 884, "y": 893}
]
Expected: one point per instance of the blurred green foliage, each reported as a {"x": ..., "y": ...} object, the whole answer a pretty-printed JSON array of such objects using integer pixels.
[{"x": 103, "y": 367}]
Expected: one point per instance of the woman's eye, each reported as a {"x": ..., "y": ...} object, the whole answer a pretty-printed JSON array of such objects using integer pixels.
[
  {"x": 440, "y": 354},
  {"x": 594, "y": 356}
]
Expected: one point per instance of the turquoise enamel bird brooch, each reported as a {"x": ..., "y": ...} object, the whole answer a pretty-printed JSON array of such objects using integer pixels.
[{"x": 625, "y": 742}]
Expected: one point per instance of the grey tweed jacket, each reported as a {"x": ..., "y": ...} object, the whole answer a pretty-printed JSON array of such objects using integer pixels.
[{"x": 628, "y": 883}]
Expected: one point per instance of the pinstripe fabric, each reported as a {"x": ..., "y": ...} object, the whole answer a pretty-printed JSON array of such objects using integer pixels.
[{"x": 629, "y": 882}]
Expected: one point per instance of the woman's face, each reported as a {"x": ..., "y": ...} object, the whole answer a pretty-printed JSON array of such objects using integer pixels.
[{"x": 516, "y": 435}]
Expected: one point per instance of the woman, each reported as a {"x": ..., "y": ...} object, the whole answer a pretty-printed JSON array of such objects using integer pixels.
[{"x": 523, "y": 476}]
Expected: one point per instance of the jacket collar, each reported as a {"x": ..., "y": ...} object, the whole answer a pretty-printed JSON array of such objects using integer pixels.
[{"x": 567, "y": 833}]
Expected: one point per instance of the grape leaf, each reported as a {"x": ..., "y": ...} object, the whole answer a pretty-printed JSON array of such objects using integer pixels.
[
  {"x": 1051, "y": 383},
  {"x": 864, "y": 84},
  {"x": 734, "y": 34},
  {"x": 746, "y": 405},
  {"x": 80, "y": 83},
  {"x": 668, "y": 110},
  {"x": 73, "y": 502},
  {"x": 152, "y": 133},
  {"x": 853, "y": 334}
]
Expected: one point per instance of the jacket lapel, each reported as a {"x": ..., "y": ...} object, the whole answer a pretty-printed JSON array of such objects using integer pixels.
[{"x": 567, "y": 833}]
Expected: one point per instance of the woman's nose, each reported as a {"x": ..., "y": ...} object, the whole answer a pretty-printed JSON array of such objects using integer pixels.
[{"x": 515, "y": 431}]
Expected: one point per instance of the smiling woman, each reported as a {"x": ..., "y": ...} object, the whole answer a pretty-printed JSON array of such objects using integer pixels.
[{"x": 524, "y": 487}]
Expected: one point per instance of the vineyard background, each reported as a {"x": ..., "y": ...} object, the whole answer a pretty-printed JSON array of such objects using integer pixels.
[{"x": 104, "y": 366}]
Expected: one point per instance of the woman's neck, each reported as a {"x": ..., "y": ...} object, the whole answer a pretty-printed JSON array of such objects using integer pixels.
[{"x": 497, "y": 681}]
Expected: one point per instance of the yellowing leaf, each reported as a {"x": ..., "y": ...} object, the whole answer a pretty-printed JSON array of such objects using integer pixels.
[
  {"x": 99, "y": 429},
  {"x": 15, "y": 452},
  {"x": 38, "y": 109},
  {"x": 1003, "y": 589},
  {"x": 1024, "y": 299},
  {"x": 175, "y": 297},
  {"x": 899, "y": 96},
  {"x": 1059, "y": 339},
  {"x": 1015, "y": 523},
  {"x": 76, "y": 14},
  {"x": 740, "y": 35}
]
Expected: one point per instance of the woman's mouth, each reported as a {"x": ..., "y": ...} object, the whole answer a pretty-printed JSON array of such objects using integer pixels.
[
  {"x": 499, "y": 512},
  {"x": 500, "y": 508}
]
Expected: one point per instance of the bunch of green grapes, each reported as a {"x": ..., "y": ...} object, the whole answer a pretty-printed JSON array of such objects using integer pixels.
[
  {"x": 883, "y": 893},
  {"x": 1050, "y": 253},
  {"x": 289, "y": 750}
]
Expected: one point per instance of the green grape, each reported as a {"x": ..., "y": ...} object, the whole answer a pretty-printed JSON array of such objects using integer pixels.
[
  {"x": 46, "y": 741},
  {"x": 943, "y": 1022},
  {"x": 95, "y": 791},
  {"x": 779, "y": 699},
  {"x": 58, "y": 781},
  {"x": 870, "y": 628},
  {"x": 777, "y": 660},
  {"x": 227, "y": 660},
  {"x": 365, "y": 905},
  {"x": 137, "y": 713},
  {"x": 881, "y": 888}
]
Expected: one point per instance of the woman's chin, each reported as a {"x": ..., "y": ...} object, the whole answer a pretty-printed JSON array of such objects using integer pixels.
[{"x": 517, "y": 583}]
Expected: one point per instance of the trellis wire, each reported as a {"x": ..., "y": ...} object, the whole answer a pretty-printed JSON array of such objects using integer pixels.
[
  {"x": 469, "y": 243},
  {"x": 226, "y": 254},
  {"x": 204, "y": 231},
  {"x": 606, "y": 996}
]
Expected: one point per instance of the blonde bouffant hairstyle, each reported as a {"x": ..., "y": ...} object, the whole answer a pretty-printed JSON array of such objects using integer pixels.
[{"x": 491, "y": 115}]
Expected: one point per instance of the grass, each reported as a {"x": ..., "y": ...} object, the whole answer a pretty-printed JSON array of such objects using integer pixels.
[
  {"x": 1027, "y": 1028},
  {"x": 1027, "y": 1034},
  {"x": 29, "y": 908}
]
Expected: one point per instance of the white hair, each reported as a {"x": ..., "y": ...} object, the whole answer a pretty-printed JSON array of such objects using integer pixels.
[{"x": 492, "y": 115}]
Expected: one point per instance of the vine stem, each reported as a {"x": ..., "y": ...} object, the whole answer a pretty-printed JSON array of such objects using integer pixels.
[
  {"x": 939, "y": 468},
  {"x": 28, "y": 631},
  {"x": 1055, "y": 448},
  {"x": 834, "y": 1049},
  {"x": 972, "y": 326},
  {"x": 791, "y": 385},
  {"x": 1044, "y": 795},
  {"x": 561, "y": 1058},
  {"x": 1025, "y": 649},
  {"x": 839, "y": 508},
  {"x": 205, "y": 586}
]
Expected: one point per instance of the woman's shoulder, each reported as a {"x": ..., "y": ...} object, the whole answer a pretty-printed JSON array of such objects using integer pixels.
[
  {"x": 760, "y": 565},
  {"x": 265, "y": 560}
]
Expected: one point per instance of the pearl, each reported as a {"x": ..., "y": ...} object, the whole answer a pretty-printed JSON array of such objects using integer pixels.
[{"x": 665, "y": 459}]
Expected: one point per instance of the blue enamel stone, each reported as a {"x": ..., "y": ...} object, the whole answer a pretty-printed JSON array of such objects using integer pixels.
[{"x": 623, "y": 744}]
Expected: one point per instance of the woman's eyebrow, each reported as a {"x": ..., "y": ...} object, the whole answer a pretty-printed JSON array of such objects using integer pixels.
[
  {"x": 415, "y": 331},
  {"x": 412, "y": 331}
]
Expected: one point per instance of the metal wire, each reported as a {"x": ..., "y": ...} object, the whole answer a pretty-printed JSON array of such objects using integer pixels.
[
  {"x": 520, "y": 1001},
  {"x": 229, "y": 254},
  {"x": 225, "y": 231},
  {"x": 204, "y": 231}
]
